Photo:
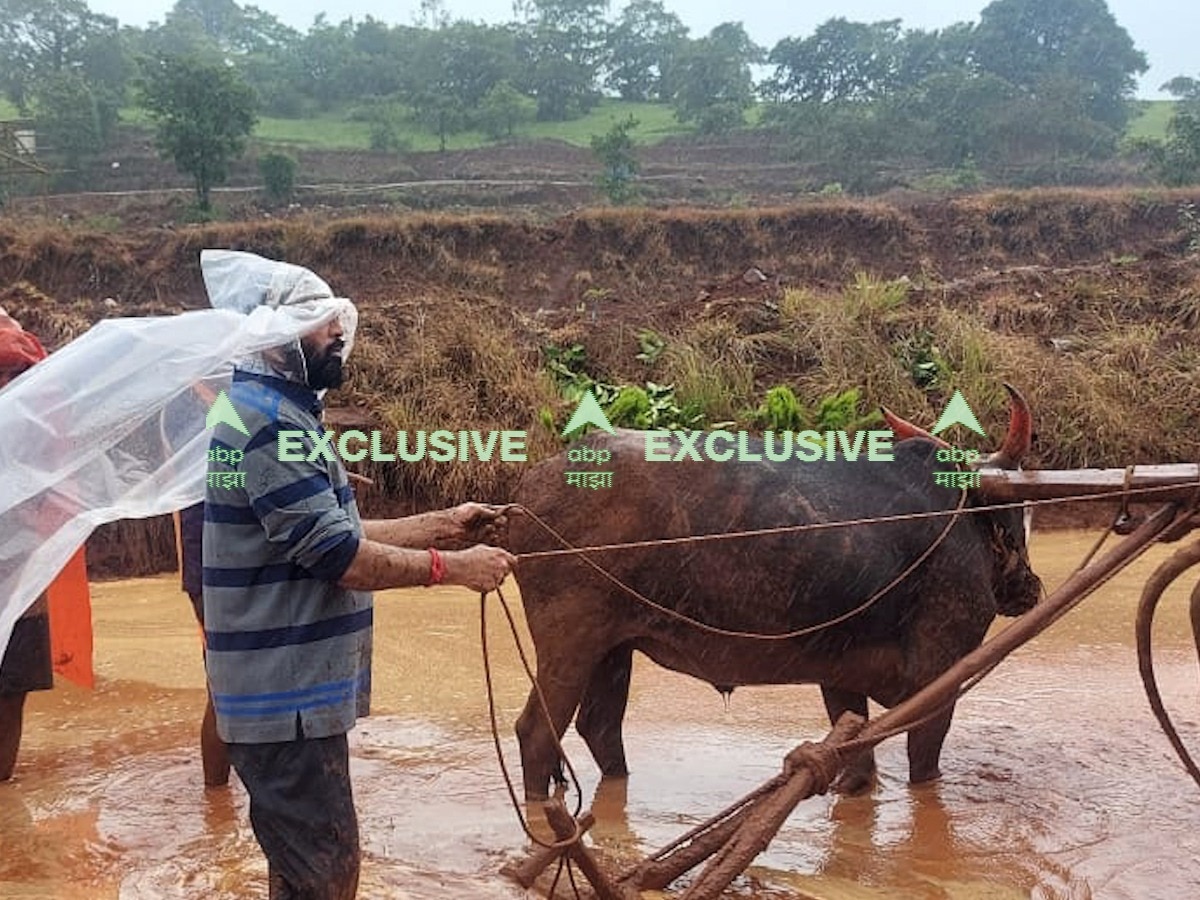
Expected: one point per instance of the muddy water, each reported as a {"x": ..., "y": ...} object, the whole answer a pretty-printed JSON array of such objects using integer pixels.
[{"x": 1057, "y": 783}]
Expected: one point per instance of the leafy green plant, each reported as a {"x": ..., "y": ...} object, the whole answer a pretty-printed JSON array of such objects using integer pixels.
[
  {"x": 651, "y": 346},
  {"x": 923, "y": 360},
  {"x": 780, "y": 411},
  {"x": 839, "y": 412},
  {"x": 631, "y": 408},
  {"x": 565, "y": 363},
  {"x": 665, "y": 411}
]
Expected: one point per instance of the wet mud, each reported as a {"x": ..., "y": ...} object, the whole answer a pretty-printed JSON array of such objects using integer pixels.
[{"x": 1057, "y": 783}]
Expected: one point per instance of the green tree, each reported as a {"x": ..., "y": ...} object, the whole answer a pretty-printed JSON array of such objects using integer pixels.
[
  {"x": 640, "y": 49},
  {"x": 203, "y": 115},
  {"x": 1187, "y": 92},
  {"x": 41, "y": 38},
  {"x": 713, "y": 85},
  {"x": 464, "y": 60},
  {"x": 841, "y": 61},
  {"x": 332, "y": 69},
  {"x": 502, "y": 109},
  {"x": 440, "y": 112},
  {"x": 108, "y": 68},
  {"x": 1175, "y": 161},
  {"x": 1035, "y": 44},
  {"x": 452, "y": 70},
  {"x": 924, "y": 54},
  {"x": 953, "y": 114},
  {"x": 614, "y": 150},
  {"x": 560, "y": 50},
  {"x": 67, "y": 116}
]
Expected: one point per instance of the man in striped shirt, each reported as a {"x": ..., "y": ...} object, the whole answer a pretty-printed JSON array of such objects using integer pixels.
[{"x": 288, "y": 565}]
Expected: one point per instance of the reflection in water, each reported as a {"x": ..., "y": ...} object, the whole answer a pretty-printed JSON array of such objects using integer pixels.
[{"x": 1057, "y": 784}]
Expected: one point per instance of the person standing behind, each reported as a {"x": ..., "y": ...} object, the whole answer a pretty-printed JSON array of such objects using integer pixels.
[
  {"x": 213, "y": 755},
  {"x": 27, "y": 664}
]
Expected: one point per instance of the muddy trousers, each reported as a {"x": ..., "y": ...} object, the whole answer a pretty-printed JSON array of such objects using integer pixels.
[{"x": 302, "y": 812}]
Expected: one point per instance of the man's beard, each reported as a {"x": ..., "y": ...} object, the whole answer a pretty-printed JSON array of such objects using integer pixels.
[{"x": 324, "y": 369}]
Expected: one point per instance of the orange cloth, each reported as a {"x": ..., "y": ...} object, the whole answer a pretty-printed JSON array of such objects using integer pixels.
[
  {"x": 71, "y": 622},
  {"x": 18, "y": 349},
  {"x": 69, "y": 598}
]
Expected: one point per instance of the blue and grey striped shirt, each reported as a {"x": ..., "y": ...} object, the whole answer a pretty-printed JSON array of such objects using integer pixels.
[{"x": 289, "y": 652}]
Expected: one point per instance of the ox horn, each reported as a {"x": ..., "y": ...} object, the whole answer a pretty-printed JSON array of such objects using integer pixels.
[
  {"x": 1020, "y": 434},
  {"x": 903, "y": 429}
]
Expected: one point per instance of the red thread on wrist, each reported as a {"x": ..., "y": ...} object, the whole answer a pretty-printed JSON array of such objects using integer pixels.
[{"x": 437, "y": 567}]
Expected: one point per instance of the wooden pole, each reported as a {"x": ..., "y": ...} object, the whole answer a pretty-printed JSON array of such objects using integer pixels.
[
  {"x": 526, "y": 872},
  {"x": 564, "y": 825},
  {"x": 767, "y": 816},
  {"x": 1177, "y": 481},
  {"x": 656, "y": 874}
]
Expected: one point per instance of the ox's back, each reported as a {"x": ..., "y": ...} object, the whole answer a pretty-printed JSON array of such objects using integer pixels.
[{"x": 774, "y": 582}]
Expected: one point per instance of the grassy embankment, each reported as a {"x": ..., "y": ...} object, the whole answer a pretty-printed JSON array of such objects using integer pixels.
[
  {"x": 335, "y": 131},
  {"x": 1151, "y": 119}
]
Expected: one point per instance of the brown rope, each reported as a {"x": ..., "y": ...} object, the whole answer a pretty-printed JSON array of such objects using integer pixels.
[
  {"x": 844, "y": 523},
  {"x": 823, "y": 761},
  {"x": 508, "y": 783},
  {"x": 1120, "y": 515}
]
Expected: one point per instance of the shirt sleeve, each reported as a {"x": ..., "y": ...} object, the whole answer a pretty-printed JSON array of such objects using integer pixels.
[{"x": 296, "y": 503}]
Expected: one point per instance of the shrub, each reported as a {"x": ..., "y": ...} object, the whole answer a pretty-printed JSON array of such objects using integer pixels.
[
  {"x": 780, "y": 411},
  {"x": 278, "y": 171}
]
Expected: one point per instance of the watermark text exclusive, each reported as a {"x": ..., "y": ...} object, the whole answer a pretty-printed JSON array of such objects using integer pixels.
[
  {"x": 805, "y": 446},
  {"x": 436, "y": 446}
]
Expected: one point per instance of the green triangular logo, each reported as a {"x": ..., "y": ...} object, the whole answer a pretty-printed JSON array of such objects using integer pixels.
[
  {"x": 222, "y": 411},
  {"x": 957, "y": 412},
  {"x": 588, "y": 412}
]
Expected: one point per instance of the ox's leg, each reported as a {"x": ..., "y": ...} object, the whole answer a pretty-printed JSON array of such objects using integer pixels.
[
  {"x": 859, "y": 773},
  {"x": 603, "y": 710},
  {"x": 925, "y": 748},
  {"x": 942, "y": 633},
  {"x": 562, "y": 679}
]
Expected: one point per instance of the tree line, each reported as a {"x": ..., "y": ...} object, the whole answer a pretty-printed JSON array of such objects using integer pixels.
[{"x": 1034, "y": 87}]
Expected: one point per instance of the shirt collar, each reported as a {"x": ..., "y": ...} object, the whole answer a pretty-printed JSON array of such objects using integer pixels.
[{"x": 302, "y": 395}]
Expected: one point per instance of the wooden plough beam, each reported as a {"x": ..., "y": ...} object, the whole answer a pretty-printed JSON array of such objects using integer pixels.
[
  {"x": 734, "y": 838},
  {"x": 1153, "y": 484}
]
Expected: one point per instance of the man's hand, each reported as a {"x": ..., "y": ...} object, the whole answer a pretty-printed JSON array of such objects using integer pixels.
[
  {"x": 478, "y": 523},
  {"x": 480, "y": 568}
]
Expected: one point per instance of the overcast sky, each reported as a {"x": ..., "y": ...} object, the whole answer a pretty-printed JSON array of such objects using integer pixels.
[{"x": 1165, "y": 30}]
